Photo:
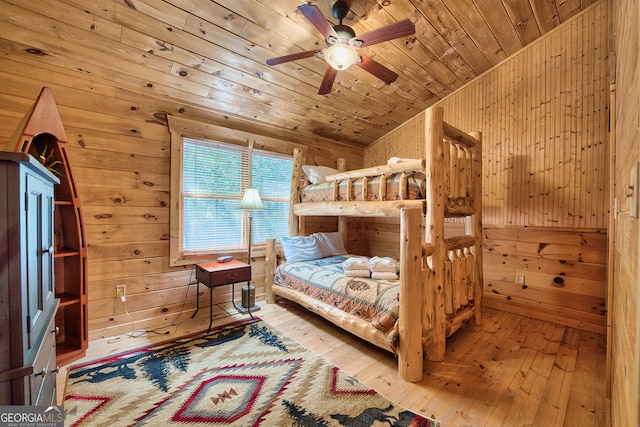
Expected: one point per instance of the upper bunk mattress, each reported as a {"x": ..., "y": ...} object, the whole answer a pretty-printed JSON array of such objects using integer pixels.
[
  {"x": 375, "y": 301},
  {"x": 323, "y": 192}
]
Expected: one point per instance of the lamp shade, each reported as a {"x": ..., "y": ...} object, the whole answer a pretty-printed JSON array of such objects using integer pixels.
[
  {"x": 341, "y": 56},
  {"x": 251, "y": 200}
]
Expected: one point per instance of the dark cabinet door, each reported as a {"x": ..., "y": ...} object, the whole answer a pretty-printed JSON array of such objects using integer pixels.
[
  {"x": 40, "y": 293},
  {"x": 27, "y": 290}
]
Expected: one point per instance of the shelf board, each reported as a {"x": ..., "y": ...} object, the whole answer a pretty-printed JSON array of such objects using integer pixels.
[
  {"x": 67, "y": 352},
  {"x": 65, "y": 253},
  {"x": 67, "y": 299}
]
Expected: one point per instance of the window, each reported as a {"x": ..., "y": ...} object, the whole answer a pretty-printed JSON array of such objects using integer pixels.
[{"x": 214, "y": 176}]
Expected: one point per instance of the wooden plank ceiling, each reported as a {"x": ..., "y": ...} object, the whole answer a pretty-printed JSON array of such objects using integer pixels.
[{"x": 211, "y": 54}]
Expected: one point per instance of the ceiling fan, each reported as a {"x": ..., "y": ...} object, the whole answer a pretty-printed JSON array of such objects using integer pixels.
[{"x": 343, "y": 44}]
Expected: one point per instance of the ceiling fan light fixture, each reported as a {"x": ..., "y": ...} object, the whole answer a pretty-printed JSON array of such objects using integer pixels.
[{"x": 341, "y": 56}]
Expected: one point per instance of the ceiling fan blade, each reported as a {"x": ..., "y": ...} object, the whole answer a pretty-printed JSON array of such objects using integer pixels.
[
  {"x": 327, "y": 80},
  {"x": 377, "y": 69},
  {"x": 401, "y": 28},
  {"x": 315, "y": 16},
  {"x": 292, "y": 57}
]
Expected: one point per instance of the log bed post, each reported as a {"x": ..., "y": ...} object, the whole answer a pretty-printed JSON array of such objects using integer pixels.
[
  {"x": 269, "y": 269},
  {"x": 410, "y": 357},
  {"x": 434, "y": 317},
  {"x": 473, "y": 226},
  {"x": 341, "y": 164},
  {"x": 294, "y": 227}
]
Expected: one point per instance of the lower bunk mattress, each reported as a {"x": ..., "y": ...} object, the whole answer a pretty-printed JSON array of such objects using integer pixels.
[{"x": 375, "y": 301}]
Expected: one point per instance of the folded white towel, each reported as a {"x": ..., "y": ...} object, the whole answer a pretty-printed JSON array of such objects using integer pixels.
[
  {"x": 357, "y": 273},
  {"x": 386, "y": 264},
  {"x": 356, "y": 263},
  {"x": 384, "y": 275}
]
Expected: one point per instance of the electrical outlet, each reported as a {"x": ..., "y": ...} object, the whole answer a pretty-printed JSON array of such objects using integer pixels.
[
  {"x": 521, "y": 279},
  {"x": 120, "y": 291}
]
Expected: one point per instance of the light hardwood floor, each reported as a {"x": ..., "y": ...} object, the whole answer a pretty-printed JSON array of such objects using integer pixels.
[{"x": 511, "y": 371}]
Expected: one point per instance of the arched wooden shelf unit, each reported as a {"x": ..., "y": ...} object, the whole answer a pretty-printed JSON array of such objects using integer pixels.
[{"x": 42, "y": 135}]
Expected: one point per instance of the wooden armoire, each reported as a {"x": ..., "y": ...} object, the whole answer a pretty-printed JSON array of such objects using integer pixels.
[
  {"x": 27, "y": 291},
  {"x": 42, "y": 135}
]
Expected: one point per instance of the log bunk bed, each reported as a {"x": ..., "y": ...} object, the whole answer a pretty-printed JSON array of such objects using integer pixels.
[{"x": 440, "y": 277}]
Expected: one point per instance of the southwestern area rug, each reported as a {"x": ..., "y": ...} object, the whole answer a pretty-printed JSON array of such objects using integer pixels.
[{"x": 243, "y": 374}]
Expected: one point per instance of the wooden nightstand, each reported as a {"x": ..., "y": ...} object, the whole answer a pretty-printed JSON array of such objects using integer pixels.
[{"x": 214, "y": 274}]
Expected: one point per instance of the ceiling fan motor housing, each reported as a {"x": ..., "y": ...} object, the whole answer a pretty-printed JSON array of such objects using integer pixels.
[
  {"x": 345, "y": 32},
  {"x": 339, "y": 10}
]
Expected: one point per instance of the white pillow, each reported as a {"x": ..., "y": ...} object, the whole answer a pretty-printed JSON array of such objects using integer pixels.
[
  {"x": 394, "y": 160},
  {"x": 331, "y": 244},
  {"x": 300, "y": 248},
  {"x": 318, "y": 174}
]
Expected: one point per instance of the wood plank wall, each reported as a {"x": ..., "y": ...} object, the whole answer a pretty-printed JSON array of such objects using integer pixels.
[
  {"x": 120, "y": 152},
  {"x": 624, "y": 342},
  {"x": 557, "y": 275},
  {"x": 543, "y": 114}
]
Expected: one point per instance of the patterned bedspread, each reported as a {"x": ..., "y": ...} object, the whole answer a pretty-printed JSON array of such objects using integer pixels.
[
  {"x": 324, "y": 191},
  {"x": 373, "y": 300}
]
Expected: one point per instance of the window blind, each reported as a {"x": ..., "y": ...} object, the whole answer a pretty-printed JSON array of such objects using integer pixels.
[
  {"x": 271, "y": 175},
  {"x": 214, "y": 178}
]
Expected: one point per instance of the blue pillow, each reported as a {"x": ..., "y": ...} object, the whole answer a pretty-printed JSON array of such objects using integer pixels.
[
  {"x": 331, "y": 244},
  {"x": 300, "y": 248}
]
